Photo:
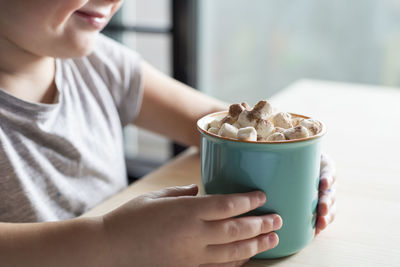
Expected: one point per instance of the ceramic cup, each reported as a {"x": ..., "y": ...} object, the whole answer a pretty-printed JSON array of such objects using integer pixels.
[{"x": 288, "y": 172}]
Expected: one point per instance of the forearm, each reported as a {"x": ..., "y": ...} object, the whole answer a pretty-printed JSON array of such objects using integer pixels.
[
  {"x": 172, "y": 108},
  {"x": 77, "y": 242}
]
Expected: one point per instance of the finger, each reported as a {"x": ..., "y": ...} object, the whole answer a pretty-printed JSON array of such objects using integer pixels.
[
  {"x": 326, "y": 161},
  {"x": 327, "y": 179},
  {"x": 324, "y": 221},
  {"x": 176, "y": 191},
  {"x": 241, "y": 249},
  {"x": 230, "y": 230},
  {"x": 325, "y": 202},
  {"x": 217, "y": 207},
  {"x": 228, "y": 264}
]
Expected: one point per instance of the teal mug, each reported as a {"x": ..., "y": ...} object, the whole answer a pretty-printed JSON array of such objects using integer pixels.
[{"x": 287, "y": 171}]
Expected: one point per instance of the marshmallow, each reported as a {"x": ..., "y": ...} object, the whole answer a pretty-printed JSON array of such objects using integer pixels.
[
  {"x": 312, "y": 126},
  {"x": 297, "y": 132},
  {"x": 213, "y": 130},
  {"x": 247, "y": 134},
  {"x": 235, "y": 110},
  {"x": 215, "y": 124},
  {"x": 228, "y": 119},
  {"x": 262, "y": 123},
  {"x": 237, "y": 125},
  {"x": 276, "y": 137},
  {"x": 246, "y": 106},
  {"x": 264, "y": 129},
  {"x": 228, "y": 130},
  {"x": 247, "y": 119},
  {"x": 296, "y": 121},
  {"x": 263, "y": 108},
  {"x": 283, "y": 120}
]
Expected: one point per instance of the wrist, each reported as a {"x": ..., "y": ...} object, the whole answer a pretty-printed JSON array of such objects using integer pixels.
[{"x": 98, "y": 247}]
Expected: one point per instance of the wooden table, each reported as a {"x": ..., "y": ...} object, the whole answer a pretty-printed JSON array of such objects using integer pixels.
[{"x": 364, "y": 139}]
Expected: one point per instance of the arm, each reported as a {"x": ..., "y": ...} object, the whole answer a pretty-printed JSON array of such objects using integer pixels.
[
  {"x": 76, "y": 242},
  {"x": 171, "y": 227},
  {"x": 171, "y": 108}
]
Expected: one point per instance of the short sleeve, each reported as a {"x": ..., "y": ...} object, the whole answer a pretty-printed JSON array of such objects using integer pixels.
[{"x": 120, "y": 69}]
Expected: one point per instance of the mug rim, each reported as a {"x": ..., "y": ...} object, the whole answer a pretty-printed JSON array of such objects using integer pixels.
[{"x": 319, "y": 135}]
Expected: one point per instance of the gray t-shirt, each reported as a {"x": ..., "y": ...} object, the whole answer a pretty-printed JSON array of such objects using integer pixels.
[{"x": 59, "y": 160}]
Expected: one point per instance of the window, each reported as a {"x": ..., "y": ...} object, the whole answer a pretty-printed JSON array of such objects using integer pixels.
[{"x": 249, "y": 50}]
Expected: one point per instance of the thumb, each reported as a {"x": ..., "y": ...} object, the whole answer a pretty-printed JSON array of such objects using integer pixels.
[{"x": 175, "y": 191}]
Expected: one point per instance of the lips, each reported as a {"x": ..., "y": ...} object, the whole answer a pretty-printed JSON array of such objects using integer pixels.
[{"x": 94, "y": 19}]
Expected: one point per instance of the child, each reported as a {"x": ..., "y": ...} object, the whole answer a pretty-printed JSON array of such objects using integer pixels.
[{"x": 66, "y": 92}]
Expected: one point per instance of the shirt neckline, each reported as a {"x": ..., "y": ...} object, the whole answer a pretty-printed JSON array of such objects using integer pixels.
[{"x": 21, "y": 105}]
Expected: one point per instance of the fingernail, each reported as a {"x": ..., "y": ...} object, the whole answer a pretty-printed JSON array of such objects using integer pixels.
[
  {"x": 261, "y": 197},
  {"x": 272, "y": 240},
  {"x": 277, "y": 223},
  {"x": 189, "y": 186}
]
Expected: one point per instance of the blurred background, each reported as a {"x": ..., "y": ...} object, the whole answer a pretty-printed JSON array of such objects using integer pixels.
[{"x": 240, "y": 50}]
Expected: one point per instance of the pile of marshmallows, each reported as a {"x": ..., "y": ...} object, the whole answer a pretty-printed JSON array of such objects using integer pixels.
[{"x": 262, "y": 124}]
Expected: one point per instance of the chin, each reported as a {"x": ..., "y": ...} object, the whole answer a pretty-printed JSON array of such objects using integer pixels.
[{"x": 78, "y": 46}]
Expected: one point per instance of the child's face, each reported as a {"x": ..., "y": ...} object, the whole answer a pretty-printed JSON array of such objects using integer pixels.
[{"x": 57, "y": 28}]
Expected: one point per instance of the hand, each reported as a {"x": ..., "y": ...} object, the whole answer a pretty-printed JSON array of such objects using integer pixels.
[
  {"x": 174, "y": 227},
  {"x": 326, "y": 209}
]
